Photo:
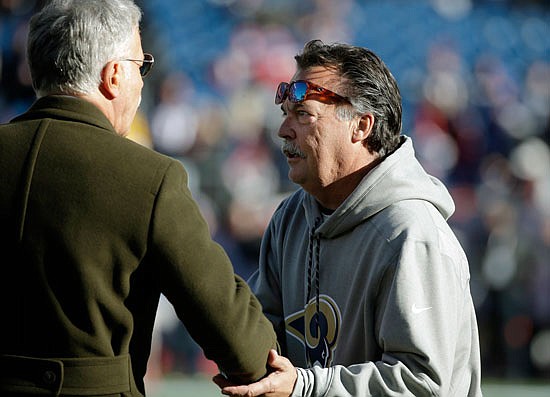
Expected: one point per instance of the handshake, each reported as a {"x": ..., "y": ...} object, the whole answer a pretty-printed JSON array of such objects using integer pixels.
[{"x": 278, "y": 383}]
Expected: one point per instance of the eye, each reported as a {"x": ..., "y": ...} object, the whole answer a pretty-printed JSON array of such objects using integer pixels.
[{"x": 303, "y": 116}]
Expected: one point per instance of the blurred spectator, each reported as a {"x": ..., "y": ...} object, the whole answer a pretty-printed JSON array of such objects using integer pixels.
[
  {"x": 16, "y": 93},
  {"x": 174, "y": 121},
  {"x": 139, "y": 130}
]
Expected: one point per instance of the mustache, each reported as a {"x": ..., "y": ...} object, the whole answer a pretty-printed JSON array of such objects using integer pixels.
[{"x": 291, "y": 150}]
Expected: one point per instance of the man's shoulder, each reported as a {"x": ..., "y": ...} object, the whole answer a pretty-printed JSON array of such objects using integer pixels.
[
  {"x": 291, "y": 203},
  {"x": 290, "y": 214},
  {"x": 416, "y": 219}
]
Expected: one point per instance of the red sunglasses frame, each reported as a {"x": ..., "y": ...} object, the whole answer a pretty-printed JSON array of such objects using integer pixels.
[{"x": 287, "y": 90}]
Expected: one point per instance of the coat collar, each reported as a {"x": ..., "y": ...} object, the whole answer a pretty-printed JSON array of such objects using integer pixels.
[{"x": 63, "y": 107}]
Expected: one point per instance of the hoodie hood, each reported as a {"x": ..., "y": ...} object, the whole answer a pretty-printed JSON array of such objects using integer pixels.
[{"x": 398, "y": 177}]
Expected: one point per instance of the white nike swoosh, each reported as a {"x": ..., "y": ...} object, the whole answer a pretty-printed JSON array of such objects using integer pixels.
[{"x": 416, "y": 309}]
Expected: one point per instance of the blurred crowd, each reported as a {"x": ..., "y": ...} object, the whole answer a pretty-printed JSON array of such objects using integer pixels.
[{"x": 475, "y": 80}]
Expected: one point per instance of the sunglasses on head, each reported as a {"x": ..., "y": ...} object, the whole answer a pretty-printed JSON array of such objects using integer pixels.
[
  {"x": 145, "y": 64},
  {"x": 300, "y": 90}
]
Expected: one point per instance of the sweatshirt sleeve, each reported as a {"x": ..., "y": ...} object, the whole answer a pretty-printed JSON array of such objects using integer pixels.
[
  {"x": 265, "y": 283},
  {"x": 197, "y": 277},
  {"x": 425, "y": 328}
]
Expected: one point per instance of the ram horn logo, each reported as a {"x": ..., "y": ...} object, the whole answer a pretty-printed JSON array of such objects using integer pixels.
[{"x": 318, "y": 332}]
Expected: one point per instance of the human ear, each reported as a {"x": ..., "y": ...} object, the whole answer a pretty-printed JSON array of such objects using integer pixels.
[
  {"x": 364, "y": 127},
  {"x": 111, "y": 77}
]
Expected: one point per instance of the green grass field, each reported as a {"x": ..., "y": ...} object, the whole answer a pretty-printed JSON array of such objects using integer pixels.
[{"x": 202, "y": 387}]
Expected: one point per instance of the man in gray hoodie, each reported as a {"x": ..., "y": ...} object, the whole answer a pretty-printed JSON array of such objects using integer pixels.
[{"x": 360, "y": 274}]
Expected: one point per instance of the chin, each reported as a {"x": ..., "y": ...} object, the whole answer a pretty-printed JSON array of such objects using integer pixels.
[{"x": 297, "y": 179}]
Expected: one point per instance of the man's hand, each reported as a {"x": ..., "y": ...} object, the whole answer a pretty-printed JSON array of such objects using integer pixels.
[{"x": 278, "y": 383}]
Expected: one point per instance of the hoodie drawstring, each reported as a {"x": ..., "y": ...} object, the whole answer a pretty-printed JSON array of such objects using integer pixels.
[{"x": 313, "y": 263}]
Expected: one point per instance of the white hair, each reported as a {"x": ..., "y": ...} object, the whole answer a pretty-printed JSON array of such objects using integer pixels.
[{"x": 70, "y": 41}]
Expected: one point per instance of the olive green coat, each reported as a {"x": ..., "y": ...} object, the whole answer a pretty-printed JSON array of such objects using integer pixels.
[{"x": 93, "y": 228}]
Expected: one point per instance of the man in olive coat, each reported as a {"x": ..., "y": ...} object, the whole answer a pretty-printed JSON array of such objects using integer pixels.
[{"x": 94, "y": 227}]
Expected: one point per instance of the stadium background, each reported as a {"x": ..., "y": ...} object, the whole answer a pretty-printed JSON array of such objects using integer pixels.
[{"x": 475, "y": 80}]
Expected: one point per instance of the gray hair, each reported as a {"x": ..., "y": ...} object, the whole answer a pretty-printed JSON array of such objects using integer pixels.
[
  {"x": 70, "y": 41},
  {"x": 368, "y": 84}
]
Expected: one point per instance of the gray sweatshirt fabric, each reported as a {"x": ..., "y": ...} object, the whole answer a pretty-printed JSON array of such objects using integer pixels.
[{"x": 373, "y": 299}]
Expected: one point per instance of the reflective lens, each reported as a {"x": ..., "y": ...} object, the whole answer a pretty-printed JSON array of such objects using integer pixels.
[
  {"x": 147, "y": 64},
  {"x": 281, "y": 93},
  {"x": 299, "y": 91}
]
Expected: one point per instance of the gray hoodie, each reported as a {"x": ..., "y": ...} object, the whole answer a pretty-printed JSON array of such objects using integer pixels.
[{"x": 374, "y": 299}]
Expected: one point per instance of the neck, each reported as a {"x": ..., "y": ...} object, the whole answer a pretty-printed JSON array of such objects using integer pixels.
[
  {"x": 333, "y": 195},
  {"x": 105, "y": 106}
]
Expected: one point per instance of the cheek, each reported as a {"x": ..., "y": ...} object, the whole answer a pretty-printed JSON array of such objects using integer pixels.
[
  {"x": 320, "y": 142},
  {"x": 310, "y": 144},
  {"x": 317, "y": 155},
  {"x": 138, "y": 88},
  {"x": 326, "y": 151}
]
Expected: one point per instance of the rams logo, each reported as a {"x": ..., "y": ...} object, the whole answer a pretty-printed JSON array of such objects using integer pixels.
[{"x": 317, "y": 331}]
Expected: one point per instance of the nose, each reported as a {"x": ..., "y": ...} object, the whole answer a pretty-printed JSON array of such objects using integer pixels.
[{"x": 285, "y": 129}]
